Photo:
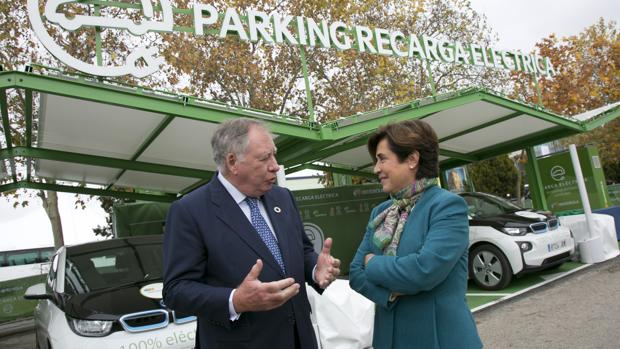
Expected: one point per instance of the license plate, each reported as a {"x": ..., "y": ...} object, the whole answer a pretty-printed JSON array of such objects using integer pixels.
[{"x": 556, "y": 245}]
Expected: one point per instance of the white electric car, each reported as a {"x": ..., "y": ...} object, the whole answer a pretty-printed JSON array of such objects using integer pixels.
[
  {"x": 506, "y": 241},
  {"x": 107, "y": 294}
]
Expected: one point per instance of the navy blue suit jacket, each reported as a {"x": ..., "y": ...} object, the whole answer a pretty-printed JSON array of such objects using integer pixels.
[{"x": 209, "y": 248}]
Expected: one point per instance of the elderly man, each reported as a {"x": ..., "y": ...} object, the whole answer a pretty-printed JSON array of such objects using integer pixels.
[{"x": 235, "y": 251}]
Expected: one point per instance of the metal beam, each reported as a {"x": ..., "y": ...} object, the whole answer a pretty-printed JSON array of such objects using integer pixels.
[
  {"x": 301, "y": 149},
  {"x": 87, "y": 191},
  {"x": 457, "y": 155},
  {"x": 102, "y": 161},
  {"x": 481, "y": 126},
  {"x": 322, "y": 154},
  {"x": 603, "y": 118},
  {"x": 539, "y": 199},
  {"x": 28, "y": 116},
  {"x": 156, "y": 132},
  {"x": 6, "y": 126},
  {"x": 336, "y": 131},
  {"x": 333, "y": 169},
  {"x": 195, "y": 185},
  {"x": 512, "y": 145},
  {"x": 533, "y": 111},
  {"x": 136, "y": 98}
]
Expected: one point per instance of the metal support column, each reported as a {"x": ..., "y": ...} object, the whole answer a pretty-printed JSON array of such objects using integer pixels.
[
  {"x": 304, "y": 68},
  {"x": 539, "y": 201}
]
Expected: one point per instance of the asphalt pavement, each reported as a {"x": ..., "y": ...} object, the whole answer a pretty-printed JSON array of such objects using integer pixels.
[{"x": 581, "y": 311}]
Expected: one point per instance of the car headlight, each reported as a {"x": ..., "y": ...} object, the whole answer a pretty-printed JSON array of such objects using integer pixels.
[
  {"x": 514, "y": 230},
  {"x": 90, "y": 328}
]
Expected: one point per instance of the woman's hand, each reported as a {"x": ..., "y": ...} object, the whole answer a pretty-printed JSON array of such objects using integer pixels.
[{"x": 367, "y": 258}]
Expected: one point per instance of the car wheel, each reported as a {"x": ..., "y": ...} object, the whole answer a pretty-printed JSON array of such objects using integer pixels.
[{"x": 489, "y": 268}]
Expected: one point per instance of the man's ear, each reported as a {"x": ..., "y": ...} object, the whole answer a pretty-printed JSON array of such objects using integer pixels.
[{"x": 231, "y": 163}]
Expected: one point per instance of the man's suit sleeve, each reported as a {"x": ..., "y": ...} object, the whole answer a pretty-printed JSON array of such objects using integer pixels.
[{"x": 185, "y": 265}]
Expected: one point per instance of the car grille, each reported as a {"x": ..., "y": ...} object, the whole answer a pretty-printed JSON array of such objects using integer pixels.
[
  {"x": 539, "y": 228},
  {"x": 553, "y": 224},
  {"x": 179, "y": 318},
  {"x": 543, "y": 227},
  {"x": 144, "y": 320}
]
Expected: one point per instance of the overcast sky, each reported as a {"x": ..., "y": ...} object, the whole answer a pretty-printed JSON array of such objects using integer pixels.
[{"x": 519, "y": 24}]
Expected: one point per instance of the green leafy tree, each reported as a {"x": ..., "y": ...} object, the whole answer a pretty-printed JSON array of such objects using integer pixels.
[
  {"x": 497, "y": 176},
  {"x": 588, "y": 77}
]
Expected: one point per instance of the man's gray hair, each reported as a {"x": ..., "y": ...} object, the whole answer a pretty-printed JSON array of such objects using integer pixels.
[{"x": 232, "y": 137}]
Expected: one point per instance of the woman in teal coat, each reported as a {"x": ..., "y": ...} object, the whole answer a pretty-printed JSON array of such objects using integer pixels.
[{"x": 412, "y": 261}]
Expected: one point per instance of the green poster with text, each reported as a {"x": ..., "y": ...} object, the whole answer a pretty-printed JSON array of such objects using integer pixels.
[
  {"x": 341, "y": 213},
  {"x": 560, "y": 183}
]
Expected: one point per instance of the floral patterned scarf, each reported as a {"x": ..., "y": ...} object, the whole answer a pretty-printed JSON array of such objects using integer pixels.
[{"x": 389, "y": 224}]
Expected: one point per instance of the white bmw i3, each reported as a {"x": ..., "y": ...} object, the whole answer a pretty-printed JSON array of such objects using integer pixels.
[
  {"x": 107, "y": 294},
  {"x": 506, "y": 240}
]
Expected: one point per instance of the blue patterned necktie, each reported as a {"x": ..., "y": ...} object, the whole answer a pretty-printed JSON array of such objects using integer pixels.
[{"x": 264, "y": 232}]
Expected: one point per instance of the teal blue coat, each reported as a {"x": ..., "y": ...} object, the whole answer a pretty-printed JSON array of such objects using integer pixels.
[{"x": 430, "y": 268}]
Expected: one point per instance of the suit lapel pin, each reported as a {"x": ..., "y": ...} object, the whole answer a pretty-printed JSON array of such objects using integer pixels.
[{"x": 277, "y": 209}]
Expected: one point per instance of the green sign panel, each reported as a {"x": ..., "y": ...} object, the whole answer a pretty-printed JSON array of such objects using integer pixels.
[
  {"x": 614, "y": 194},
  {"x": 560, "y": 183},
  {"x": 13, "y": 306},
  {"x": 340, "y": 213},
  {"x": 139, "y": 218}
]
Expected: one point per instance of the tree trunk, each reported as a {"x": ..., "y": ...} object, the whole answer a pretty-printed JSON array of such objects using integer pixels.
[{"x": 50, "y": 204}]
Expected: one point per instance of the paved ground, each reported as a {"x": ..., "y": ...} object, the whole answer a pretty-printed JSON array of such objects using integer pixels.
[
  {"x": 23, "y": 340},
  {"x": 580, "y": 311}
]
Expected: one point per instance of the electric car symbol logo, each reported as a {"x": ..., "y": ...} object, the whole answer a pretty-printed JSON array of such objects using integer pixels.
[
  {"x": 148, "y": 55},
  {"x": 315, "y": 235},
  {"x": 557, "y": 173}
]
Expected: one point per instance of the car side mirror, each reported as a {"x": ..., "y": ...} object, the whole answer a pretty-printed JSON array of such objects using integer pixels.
[{"x": 37, "y": 291}]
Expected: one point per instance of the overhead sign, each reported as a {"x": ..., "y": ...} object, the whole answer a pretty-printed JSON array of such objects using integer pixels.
[{"x": 274, "y": 28}]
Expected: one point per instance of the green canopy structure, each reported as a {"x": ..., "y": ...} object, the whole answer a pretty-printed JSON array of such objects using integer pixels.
[{"x": 100, "y": 137}]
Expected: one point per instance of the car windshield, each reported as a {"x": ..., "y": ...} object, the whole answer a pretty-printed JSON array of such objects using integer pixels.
[
  {"x": 486, "y": 205},
  {"x": 113, "y": 267}
]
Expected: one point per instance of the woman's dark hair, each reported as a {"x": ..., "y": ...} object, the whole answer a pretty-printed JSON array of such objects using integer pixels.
[{"x": 404, "y": 138}]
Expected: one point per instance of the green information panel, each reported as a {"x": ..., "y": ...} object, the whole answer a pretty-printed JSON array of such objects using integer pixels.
[
  {"x": 560, "y": 183},
  {"x": 340, "y": 213},
  {"x": 614, "y": 193},
  {"x": 139, "y": 218},
  {"x": 13, "y": 306}
]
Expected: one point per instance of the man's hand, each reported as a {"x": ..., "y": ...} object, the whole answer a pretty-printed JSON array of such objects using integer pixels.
[
  {"x": 254, "y": 295},
  {"x": 327, "y": 267}
]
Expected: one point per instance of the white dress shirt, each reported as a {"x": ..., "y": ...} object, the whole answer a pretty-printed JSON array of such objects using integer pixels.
[{"x": 239, "y": 198}]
